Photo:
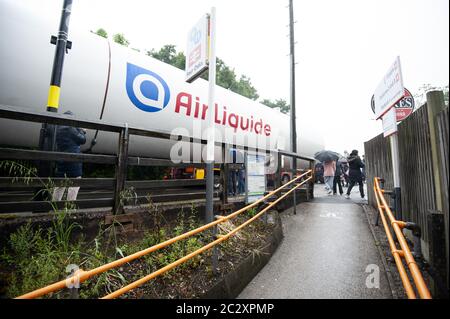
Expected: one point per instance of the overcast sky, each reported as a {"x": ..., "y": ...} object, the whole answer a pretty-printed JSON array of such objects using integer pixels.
[{"x": 343, "y": 48}]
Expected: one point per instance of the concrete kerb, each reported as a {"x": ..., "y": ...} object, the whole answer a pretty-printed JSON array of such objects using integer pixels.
[
  {"x": 229, "y": 286},
  {"x": 232, "y": 284}
]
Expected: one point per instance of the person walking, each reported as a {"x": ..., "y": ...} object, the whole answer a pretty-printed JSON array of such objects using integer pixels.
[
  {"x": 337, "y": 178},
  {"x": 241, "y": 181},
  {"x": 355, "y": 175},
  {"x": 232, "y": 182},
  {"x": 329, "y": 169},
  {"x": 345, "y": 172},
  {"x": 68, "y": 140}
]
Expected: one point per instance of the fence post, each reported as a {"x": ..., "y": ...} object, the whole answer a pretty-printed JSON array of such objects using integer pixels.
[
  {"x": 74, "y": 293},
  {"x": 313, "y": 179},
  {"x": 442, "y": 135},
  {"x": 224, "y": 173},
  {"x": 437, "y": 254},
  {"x": 435, "y": 104},
  {"x": 121, "y": 170},
  {"x": 278, "y": 172}
]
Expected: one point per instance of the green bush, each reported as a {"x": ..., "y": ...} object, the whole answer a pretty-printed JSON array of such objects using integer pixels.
[{"x": 37, "y": 257}]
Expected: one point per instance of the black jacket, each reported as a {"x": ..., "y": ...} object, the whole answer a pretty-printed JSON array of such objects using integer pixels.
[
  {"x": 339, "y": 169},
  {"x": 69, "y": 139},
  {"x": 355, "y": 164}
]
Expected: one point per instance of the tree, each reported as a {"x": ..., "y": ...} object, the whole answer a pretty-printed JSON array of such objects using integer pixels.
[
  {"x": 445, "y": 89},
  {"x": 102, "y": 32},
  {"x": 120, "y": 38},
  {"x": 168, "y": 54},
  {"x": 279, "y": 103},
  {"x": 245, "y": 88},
  {"x": 420, "y": 97},
  {"x": 225, "y": 75}
]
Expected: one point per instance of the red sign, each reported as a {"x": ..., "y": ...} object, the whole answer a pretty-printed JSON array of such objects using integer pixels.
[{"x": 403, "y": 108}]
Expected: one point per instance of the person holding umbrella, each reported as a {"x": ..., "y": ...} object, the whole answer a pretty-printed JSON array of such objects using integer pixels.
[
  {"x": 329, "y": 159},
  {"x": 329, "y": 168},
  {"x": 355, "y": 175}
]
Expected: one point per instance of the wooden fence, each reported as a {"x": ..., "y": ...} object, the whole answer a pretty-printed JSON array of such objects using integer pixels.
[
  {"x": 443, "y": 141},
  {"x": 378, "y": 164},
  {"x": 416, "y": 169},
  {"x": 421, "y": 194}
]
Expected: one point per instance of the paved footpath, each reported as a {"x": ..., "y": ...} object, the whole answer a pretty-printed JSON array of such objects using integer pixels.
[{"x": 325, "y": 253}]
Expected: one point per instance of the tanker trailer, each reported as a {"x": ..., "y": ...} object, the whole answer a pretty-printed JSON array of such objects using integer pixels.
[{"x": 107, "y": 81}]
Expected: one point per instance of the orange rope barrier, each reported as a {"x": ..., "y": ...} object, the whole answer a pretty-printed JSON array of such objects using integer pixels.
[
  {"x": 82, "y": 275},
  {"x": 405, "y": 252},
  {"x": 143, "y": 280}
]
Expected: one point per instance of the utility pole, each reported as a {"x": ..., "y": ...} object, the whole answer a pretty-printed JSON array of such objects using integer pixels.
[
  {"x": 292, "y": 97},
  {"x": 47, "y": 139}
]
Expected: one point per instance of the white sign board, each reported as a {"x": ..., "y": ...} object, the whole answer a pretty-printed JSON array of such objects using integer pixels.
[
  {"x": 390, "y": 122},
  {"x": 390, "y": 90},
  {"x": 197, "y": 49},
  {"x": 256, "y": 177}
]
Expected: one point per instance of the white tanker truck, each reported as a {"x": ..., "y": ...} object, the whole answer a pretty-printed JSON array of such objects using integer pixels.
[{"x": 104, "y": 80}]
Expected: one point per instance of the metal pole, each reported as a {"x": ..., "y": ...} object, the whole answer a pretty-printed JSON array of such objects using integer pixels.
[
  {"x": 293, "y": 126},
  {"x": 211, "y": 138},
  {"x": 246, "y": 176},
  {"x": 396, "y": 174},
  {"x": 47, "y": 139}
]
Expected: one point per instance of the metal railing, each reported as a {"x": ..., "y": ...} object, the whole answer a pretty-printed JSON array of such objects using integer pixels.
[
  {"x": 81, "y": 275},
  {"x": 122, "y": 160},
  {"x": 404, "y": 251}
]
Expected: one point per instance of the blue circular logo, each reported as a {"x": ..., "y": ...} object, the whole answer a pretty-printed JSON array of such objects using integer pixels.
[{"x": 146, "y": 89}]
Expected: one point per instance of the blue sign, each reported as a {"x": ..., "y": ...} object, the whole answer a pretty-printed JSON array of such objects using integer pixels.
[{"x": 146, "y": 89}]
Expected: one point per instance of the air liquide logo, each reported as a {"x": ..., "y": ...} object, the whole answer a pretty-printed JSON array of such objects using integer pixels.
[{"x": 146, "y": 89}]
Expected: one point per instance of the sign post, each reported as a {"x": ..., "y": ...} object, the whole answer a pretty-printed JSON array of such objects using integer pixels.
[
  {"x": 211, "y": 138},
  {"x": 201, "y": 54},
  {"x": 388, "y": 93},
  {"x": 210, "y": 131}
]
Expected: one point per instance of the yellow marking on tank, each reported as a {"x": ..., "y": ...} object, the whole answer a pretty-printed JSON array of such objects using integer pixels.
[{"x": 53, "y": 96}]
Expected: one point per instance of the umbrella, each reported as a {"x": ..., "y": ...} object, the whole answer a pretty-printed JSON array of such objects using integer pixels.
[{"x": 326, "y": 156}]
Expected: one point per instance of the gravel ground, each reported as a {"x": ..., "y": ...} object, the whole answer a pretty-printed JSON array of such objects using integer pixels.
[{"x": 391, "y": 269}]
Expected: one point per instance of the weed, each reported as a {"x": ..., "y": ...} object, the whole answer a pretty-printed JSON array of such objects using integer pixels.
[
  {"x": 38, "y": 257},
  {"x": 252, "y": 212}
]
